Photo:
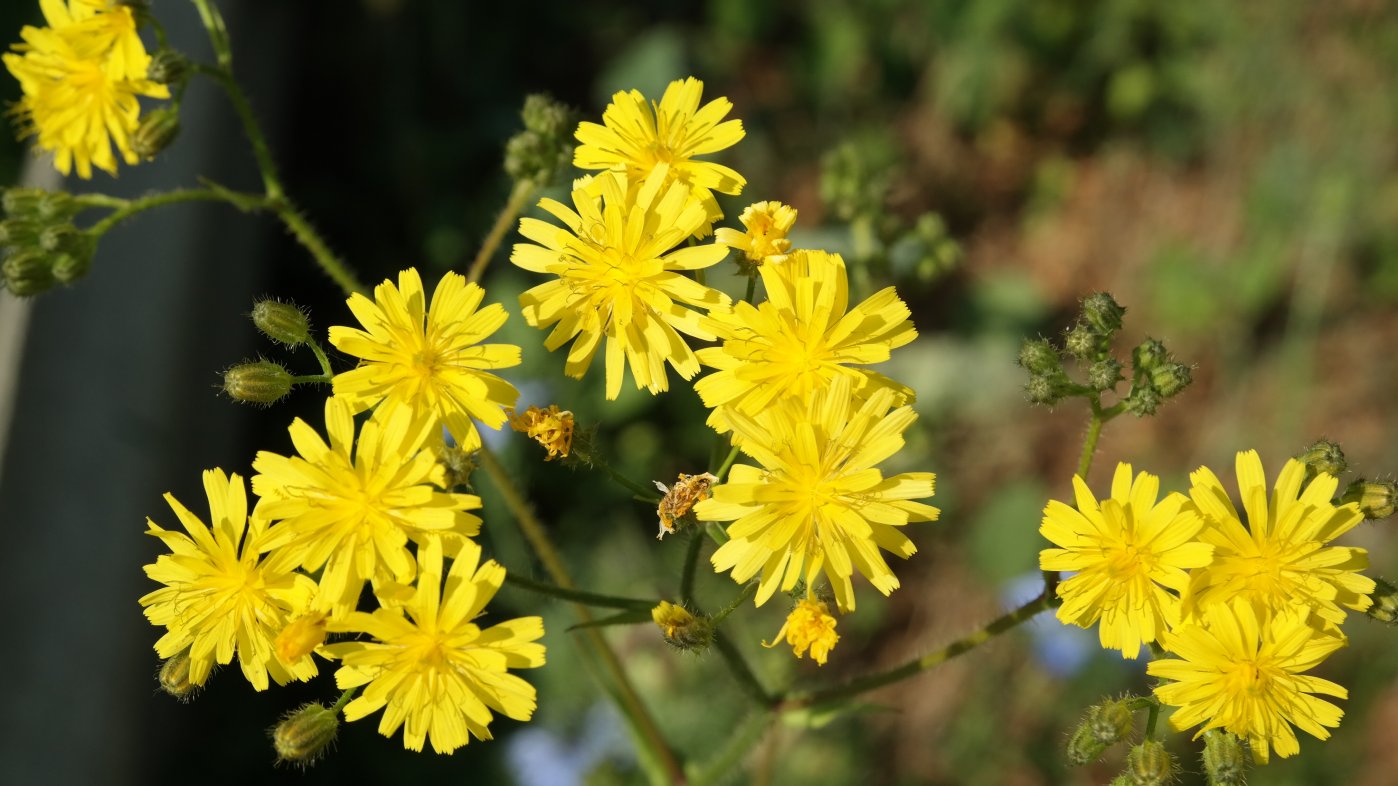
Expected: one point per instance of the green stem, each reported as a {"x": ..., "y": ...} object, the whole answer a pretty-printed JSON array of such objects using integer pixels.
[
  {"x": 752, "y": 288},
  {"x": 916, "y": 666},
  {"x": 643, "y": 725},
  {"x": 321, "y": 359},
  {"x": 519, "y": 196},
  {"x": 580, "y": 596},
  {"x": 715, "y": 532},
  {"x": 1152, "y": 716},
  {"x": 739, "y": 667},
  {"x": 218, "y": 32},
  {"x": 129, "y": 208},
  {"x": 344, "y": 699},
  {"x": 743, "y": 739},
  {"x": 641, "y": 492},
  {"x": 311, "y": 240},
  {"x": 727, "y": 464},
  {"x": 311, "y": 379},
  {"x": 691, "y": 563},
  {"x": 1089, "y": 443},
  {"x": 733, "y": 606}
]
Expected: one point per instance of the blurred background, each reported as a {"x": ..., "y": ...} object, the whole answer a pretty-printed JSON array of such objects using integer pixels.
[{"x": 1226, "y": 171}]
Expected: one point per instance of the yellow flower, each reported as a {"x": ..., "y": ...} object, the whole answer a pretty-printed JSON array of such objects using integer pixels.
[
  {"x": 302, "y": 635},
  {"x": 433, "y": 670},
  {"x": 428, "y": 357},
  {"x": 680, "y": 498},
  {"x": 620, "y": 277},
  {"x": 1281, "y": 557},
  {"x": 81, "y": 78},
  {"x": 809, "y": 624},
  {"x": 352, "y": 508},
  {"x": 800, "y": 339},
  {"x": 818, "y": 503},
  {"x": 640, "y": 138},
  {"x": 1245, "y": 675},
  {"x": 680, "y": 628},
  {"x": 767, "y": 224},
  {"x": 1128, "y": 551},
  {"x": 219, "y": 599},
  {"x": 549, "y": 427}
]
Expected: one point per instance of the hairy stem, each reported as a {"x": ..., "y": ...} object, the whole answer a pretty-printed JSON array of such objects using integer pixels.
[
  {"x": 519, "y": 196},
  {"x": 691, "y": 563},
  {"x": 579, "y": 596}
]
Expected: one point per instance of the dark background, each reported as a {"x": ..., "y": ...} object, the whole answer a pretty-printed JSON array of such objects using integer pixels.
[{"x": 1226, "y": 172}]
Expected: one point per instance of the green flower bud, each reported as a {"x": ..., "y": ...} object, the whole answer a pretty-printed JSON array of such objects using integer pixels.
[
  {"x": 69, "y": 267},
  {"x": 1047, "y": 389},
  {"x": 1104, "y": 374},
  {"x": 536, "y": 158},
  {"x": 59, "y": 237},
  {"x": 257, "y": 382},
  {"x": 1039, "y": 357},
  {"x": 1225, "y": 762},
  {"x": 940, "y": 252},
  {"x": 1143, "y": 401},
  {"x": 1324, "y": 456},
  {"x": 1385, "y": 598},
  {"x": 1148, "y": 355},
  {"x": 28, "y": 273},
  {"x": 21, "y": 201},
  {"x": 174, "y": 678},
  {"x": 1120, "y": 780},
  {"x": 303, "y": 735},
  {"x": 19, "y": 233},
  {"x": 545, "y": 116},
  {"x": 681, "y": 629},
  {"x": 1376, "y": 498},
  {"x": 1104, "y": 725},
  {"x": 1081, "y": 341},
  {"x": 55, "y": 206},
  {"x": 156, "y": 132},
  {"x": 283, "y": 322},
  {"x": 167, "y": 67},
  {"x": 1169, "y": 379},
  {"x": 1102, "y": 313},
  {"x": 1149, "y": 764}
]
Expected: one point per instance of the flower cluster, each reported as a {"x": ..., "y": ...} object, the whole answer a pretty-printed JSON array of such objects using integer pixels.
[{"x": 1241, "y": 604}]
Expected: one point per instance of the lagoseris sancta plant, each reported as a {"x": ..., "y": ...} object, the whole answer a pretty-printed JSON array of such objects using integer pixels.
[{"x": 354, "y": 553}]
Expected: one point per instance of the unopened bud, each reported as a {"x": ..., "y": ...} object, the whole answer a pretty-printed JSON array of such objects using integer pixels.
[
  {"x": 1081, "y": 341},
  {"x": 1170, "y": 378},
  {"x": 58, "y": 237},
  {"x": 1104, "y": 374},
  {"x": 1149, "y": 764},
  {"x": 174, "y": 677},
  {"x": 167, "y": 67},
  {"x": 27, "y": 274},
  {"x": 55, "y": 206},
  {"x": 1376, "y": 498},
  {"x": 284, "y": 322},
  {"x": 20, "y": 201},
  {"x": 69, "y": 267},
  {"x": 543, "y": 115},
  {"x": 155, "y": 133},
  {"x": 1143, "y": 401},
  {"x": 19, "y": 233},
  {"x": 258, "y": 382},
  {"x": 1104, "y": 725},
  {"x": 1047, "y": 389},
  {"x": 1385, "y": 602},
  {"x": 304, "y": 734},
  {"x": 1102, "y": 313},
  {"x": 1148, "y": 355},
  {"x": 1324, "y": 456},
  {"x": 681, "y": 629},
  {"x": 1039, "y": 357},
  {"x": 1224, "y": 761}
]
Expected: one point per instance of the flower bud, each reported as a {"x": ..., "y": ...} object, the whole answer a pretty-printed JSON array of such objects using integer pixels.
[
  {"x": 1224, "y": 761},
  {"x": 1039, "y": 357},
  {"x": 1385, "y": 602},
  {"x": 1143, "y": 401},
  {"x": 27, "y": 273},
  {"x": 257, "y": 382},
  {"x": 1103, "y": 313},
  {"x": 167, "y": 67},
  {"x": 174, "y": 677},
  {"x": 1324, "y": 456},
  {"x": 55, "y": 206},
  {"x": 19, "y": 233},
  {"x": 58, "y": 237},
  {"x": 1376, "y": 498},
  {"x": 283, "y": 322},
  {"x": 155, "y": 133},
  {"x": 1148, "y": 355},
  {"x": 545, "y": 116},
  {"x": 1104, "y": 374},
  {"x": 1149, "y": 764},
  {"x": 1047, "y": 389},
  {"x": 21, "y": 201},
  {"x": 681, "y": 629},
  {"x": 1104, "y": 725},
  {"x": 1168, "y": 379},
  {"x": 304, "y": 734},
  {"x": 69, "y": 267},
  {"x": 1081, "y": 341}
]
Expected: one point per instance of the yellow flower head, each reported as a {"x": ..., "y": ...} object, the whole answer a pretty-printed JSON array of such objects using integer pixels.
[
  {"x": 1246, "y": 675},
  {"x": 800, "y": 339},
  {"x": 81, "y": 77},
  {"x": 680, "y": 498},
  {"x": 549, "y": 427},
  {"x": 767, "y": 224},
  {"x": 433, "y": 670},
  {"x": 428, "y": 358},
  {"x": 809, "y": 625},
  {"x": 639, "y": 138},
  {"x": 352, "y": 508},
  {"x": 219, "y": 599},
  {"x": 1128, "y": 551},
  {"x": 1281, "y": 557},
  {"x": 620, "y": 277},
  {"x": 819, "y": 503}
]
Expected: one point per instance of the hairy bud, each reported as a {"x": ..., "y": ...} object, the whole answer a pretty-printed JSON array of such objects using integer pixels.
[
  {"x": 303, "y": 735},
  {"x": 1225, "y": 762},
  {"x": 1039, "y": 357},
  {"x": 156, "y": 132},
  {"x": 1385, "y": 606},
  {"x": 681, "y": 629},
  {"x": 1149, "y": 354},
  {"x": 1104, "y": 374},
  {"x": 258, "y": 382},
  {"x": 174, "y": 678},
  {"x": 1169, "y": 379},
  {"x": 1102, "y": 313},
  {"x": 167, "y": 67},
  {"x": 1376, "y": 498},
  {"x": 1324, "y": 456},
  {"x": 1082, "y": 342},
  {"x": 27, "y": 274},
  {"x": 1149, "y": 764},
  {"x": 283, "y": 322},
  {"x": 1104, "y": 725}
]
